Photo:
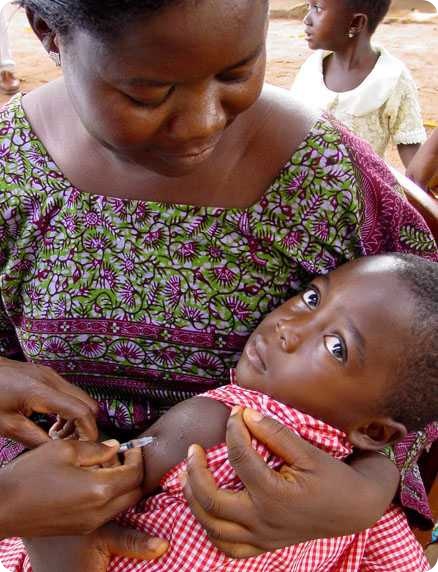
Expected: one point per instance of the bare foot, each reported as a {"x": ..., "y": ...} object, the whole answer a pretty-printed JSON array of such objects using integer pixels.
[{"x": 9, "y": 84}]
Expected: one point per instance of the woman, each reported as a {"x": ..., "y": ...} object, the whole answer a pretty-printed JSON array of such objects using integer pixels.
[{"x": 157, "y": 202}]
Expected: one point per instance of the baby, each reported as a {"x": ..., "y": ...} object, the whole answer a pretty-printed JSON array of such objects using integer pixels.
[{"x": 350, "y": 362}]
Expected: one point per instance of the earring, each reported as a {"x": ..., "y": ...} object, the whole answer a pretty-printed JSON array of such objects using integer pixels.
[
  {"x": 351, "y": 34},
  {"x": 56, "y": 58}
]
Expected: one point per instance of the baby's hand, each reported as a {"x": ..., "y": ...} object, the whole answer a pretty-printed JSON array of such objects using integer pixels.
[{"x": 63, "y": 429}]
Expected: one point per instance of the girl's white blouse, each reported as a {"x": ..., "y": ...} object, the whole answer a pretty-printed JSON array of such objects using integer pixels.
[{"x": 382, "y": 108}]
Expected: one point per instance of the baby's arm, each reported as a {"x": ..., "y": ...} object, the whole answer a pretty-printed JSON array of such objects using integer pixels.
[{"x": 199, "y": 420}]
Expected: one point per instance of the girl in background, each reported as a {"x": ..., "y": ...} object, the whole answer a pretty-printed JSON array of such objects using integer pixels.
[{"x": 362, "y": 85}]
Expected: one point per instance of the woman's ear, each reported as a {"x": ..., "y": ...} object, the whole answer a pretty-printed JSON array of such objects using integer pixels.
[
  {"x": 42, "y": 30},
  {"x": 377, "y": 434}
]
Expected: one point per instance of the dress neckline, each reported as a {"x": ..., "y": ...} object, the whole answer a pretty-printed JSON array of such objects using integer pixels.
[{"x": 16, "y": 103}]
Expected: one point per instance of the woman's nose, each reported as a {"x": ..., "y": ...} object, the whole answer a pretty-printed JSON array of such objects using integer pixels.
[
  {"x": 199, "y": 116},
  {"x": 288, "y": 336}
]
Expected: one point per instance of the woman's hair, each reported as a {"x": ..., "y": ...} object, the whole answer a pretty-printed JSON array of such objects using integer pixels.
[
  {"x": 376, "y": 10},
  {"x": 102, "y": 17}
]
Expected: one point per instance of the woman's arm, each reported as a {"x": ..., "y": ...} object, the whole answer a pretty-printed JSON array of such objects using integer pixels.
[
  {"x": 312, "y": 496},
  {"x": 423, "y": 169},
  {"x": 198, "y": 419},
  {"x": 54, "y": 490},
  {"x": 407, "y": 153},
  {"x": 92, "y": 553}
]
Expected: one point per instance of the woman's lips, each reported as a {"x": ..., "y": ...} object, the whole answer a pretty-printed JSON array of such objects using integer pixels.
[
  {"x": 255, "y": 353},
  {"x": 189, "y": 158}
]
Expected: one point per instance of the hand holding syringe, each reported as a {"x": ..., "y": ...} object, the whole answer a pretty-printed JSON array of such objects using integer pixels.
[{"x": 62, "y": 429}]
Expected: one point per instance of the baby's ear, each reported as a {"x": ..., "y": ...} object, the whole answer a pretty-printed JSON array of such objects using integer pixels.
[{"x": 377, "y": 434}]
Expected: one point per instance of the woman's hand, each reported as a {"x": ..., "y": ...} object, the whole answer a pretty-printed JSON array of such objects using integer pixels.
[
  {"x": 423, "y": 169},
  {"x": 57, "y": 489},
  {"x": 92, "y": 553},
  {"x": 26, "y": 388},
  {"x": 312, "y": 496}
]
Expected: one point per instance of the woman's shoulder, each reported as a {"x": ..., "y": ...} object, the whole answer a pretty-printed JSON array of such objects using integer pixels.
[
  {"x": 13, "y": 123},
  {"x": 19, "y": 146},
  {"x": 288, "y": 130},
  {"x": 279, "y": 124},
  {"x": 14, "y": 137}
]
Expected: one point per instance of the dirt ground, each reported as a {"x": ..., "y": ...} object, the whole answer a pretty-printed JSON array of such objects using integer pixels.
[{"x": 415, "y": 43}]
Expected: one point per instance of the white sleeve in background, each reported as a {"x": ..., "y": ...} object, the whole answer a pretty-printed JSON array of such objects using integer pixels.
[
  {"x": 406, "y": 124},
  {"x": 308, "y": 85}
]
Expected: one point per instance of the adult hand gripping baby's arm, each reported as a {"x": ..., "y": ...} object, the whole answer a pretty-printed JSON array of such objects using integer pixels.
[
  {"x": 26, "y": 388},
  {"x": 312, "y": 496}
]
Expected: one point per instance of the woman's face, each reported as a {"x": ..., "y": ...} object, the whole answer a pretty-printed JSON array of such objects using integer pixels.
[{"x": 162, "y": 93}]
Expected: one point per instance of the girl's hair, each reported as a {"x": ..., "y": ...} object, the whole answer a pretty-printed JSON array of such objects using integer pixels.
[
  {"x": 376, "y": 10},
  {"x": 102, "y": 17}
]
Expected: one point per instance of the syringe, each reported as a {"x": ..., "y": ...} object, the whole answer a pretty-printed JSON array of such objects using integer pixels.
[{"x": 135, "y": 443}]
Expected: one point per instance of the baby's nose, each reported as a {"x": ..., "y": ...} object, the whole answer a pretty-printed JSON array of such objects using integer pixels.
[{"x": 288, "y": 336}]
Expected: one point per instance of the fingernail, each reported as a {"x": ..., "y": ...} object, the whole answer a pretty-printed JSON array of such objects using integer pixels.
[
  {"x": 111, "y": 443},
  {"x": 192, "y": 451},
  {"x": 236, "y": 409},
  {"x": 254, "y": 416},
  {"x": 155, "y": 543}
]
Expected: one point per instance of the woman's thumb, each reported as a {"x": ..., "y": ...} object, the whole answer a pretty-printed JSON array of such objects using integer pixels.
[
  {"x": 131, "y": 543},
  {"x": 279, "y": 439}
]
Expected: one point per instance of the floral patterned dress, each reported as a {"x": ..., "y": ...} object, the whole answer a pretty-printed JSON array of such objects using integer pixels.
[{"x": 144, "y": 304}]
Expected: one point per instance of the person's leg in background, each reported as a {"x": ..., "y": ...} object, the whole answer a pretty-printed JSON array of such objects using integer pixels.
[{"x": 9, "y": 83}]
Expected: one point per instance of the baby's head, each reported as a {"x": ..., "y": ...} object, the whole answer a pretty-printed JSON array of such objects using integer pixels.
[
  {"x": 357, "y": 349},
  {"x": 331, "y": 24}
]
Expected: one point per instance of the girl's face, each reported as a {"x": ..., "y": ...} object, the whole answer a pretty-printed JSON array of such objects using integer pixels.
[
  {"x": 163, "y": 92},
  {"x": 327, "y": 24},
  {"x": 331, "y": 351}
]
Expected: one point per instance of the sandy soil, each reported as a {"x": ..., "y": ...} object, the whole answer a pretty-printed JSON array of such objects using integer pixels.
[{"x": 414, "y": 43}]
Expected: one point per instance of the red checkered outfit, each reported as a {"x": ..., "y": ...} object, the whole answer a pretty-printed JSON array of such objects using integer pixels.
[{"x": 387, "y": 546}]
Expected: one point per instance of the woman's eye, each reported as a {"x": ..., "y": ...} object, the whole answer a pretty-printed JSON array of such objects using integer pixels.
[
  {"x": 235, "y": 77},
  {"x": 156, "y": 102},
  {"x": 336, "y": 347},
  {"x": 311, "y": 297}
]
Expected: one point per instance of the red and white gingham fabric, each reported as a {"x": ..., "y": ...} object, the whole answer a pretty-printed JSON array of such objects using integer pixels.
[{"x": 388, "y": 546}]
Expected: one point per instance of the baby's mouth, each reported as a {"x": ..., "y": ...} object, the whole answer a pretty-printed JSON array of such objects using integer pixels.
[{"x": 256, "y": 352}]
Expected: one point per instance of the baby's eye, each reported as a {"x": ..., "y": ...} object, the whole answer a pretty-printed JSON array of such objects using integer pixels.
[
  {"x": 311, "y": 297},
  {"x": 336, "y": 347}
]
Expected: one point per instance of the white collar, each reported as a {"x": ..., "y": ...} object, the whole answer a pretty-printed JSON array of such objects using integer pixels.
[{"x": 370, "y": 95}]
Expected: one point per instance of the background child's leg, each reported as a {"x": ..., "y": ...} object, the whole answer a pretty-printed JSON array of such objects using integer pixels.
[{"x": 8, "y": 81}]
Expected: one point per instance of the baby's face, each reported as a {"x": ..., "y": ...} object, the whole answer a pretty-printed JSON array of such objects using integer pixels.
[{"x": 330, "y": 351}]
